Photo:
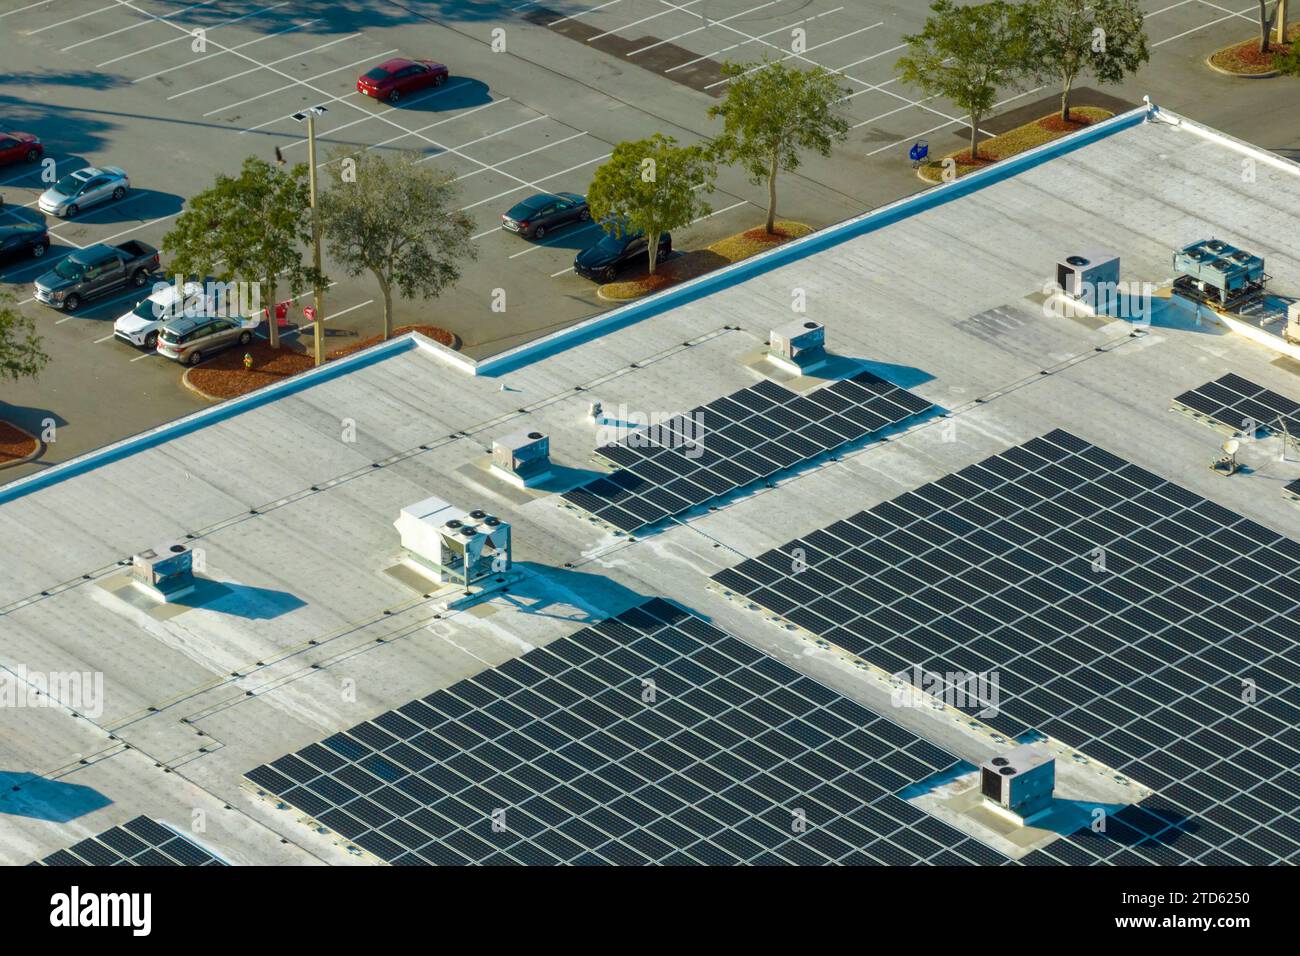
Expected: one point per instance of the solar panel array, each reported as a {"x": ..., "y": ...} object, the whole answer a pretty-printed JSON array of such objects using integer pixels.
[
  {"x": 1123, "y": 614},
  {"x": 649, "y": 737},
  {"x": 1236, "y": 403},
  {"x": 734, "y": 441},
  {"x": 139, "y": 842}
]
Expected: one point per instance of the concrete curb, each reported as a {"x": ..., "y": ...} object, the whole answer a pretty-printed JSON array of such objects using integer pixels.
[{"x": 1237, "y": 76}]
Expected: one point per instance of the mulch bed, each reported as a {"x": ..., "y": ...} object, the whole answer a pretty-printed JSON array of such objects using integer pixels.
[
  {"x": 1245, "y": 58},
  {"x": 224, "y": 375},
  {"x": 1018, "y": 140},
  {"x": 15, "y": 444}
]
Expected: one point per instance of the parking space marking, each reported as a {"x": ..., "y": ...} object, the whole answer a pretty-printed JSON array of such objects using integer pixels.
[
  {"x": 46, "y": 260},
  {"x": 653, "y": 16},
  {"x": 583, "y": 13},
  {"x": 218, "y": 26},
  {"x": 480, "y": 139},
  {"x": 567, "y": 234},
  {"x": 30, "y": 6},
  {"x": 394, "y": 139},
  {"x": 235, "y": 76},
  {"x": 133, "y": 26},
  {"x": 82, "y": 16},
  {"x": 445, "y": 88},
  {"x": 515, "y": 189},
  {"x": 530, "y": 152},
  {"x": 802, "y": 56},
  {"x": 728, "y": 49},
  {"x": 278, "y": 119}
]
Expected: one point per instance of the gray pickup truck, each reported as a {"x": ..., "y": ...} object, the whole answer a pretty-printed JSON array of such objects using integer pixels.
[{"x": 95, "y": 271}]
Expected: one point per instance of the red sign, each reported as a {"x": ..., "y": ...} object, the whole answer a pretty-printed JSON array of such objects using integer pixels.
[{"x": 310, "y": 313}]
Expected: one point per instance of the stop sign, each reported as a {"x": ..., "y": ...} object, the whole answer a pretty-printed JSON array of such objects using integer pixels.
[{"x": 310, "y": 313}]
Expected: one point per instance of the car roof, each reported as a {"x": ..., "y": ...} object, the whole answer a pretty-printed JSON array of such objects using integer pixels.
[
  {"x": 395, "y": 64},
  {"x": 21, "y": 227},
  {"x": 536, "y": 202},
  {"x": 189, "y": 323},
  {"x": 168, "y": 295}
]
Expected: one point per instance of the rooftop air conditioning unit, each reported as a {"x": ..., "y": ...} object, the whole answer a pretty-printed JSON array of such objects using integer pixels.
[
  {"x": 1019, "y": 780},
  {"x": 1091, "y": 277},
  {"x": 457, "y": 546},
  {"x": 165, "y": 572},
  {"x": 799, "y": 344},
  {"x": 523, "y": 458}
]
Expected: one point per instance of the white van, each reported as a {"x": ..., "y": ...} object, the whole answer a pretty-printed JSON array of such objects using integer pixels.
[{"x": 140, "y": 326}]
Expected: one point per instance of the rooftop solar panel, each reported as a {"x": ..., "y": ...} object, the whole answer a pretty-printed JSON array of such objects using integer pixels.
[
  {"x": 139, "y": 842},
  {"x": 658, "y": 738},
  {"x": 747, "y": 436},
  {"x": 1240, "y": 405},
  {"x": 1123, "y": 639}
]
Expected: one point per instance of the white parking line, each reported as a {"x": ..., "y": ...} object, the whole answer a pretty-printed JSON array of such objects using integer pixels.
[
  {"x": 394, "y": 139},
  {"x": 217, "y": 26},
  {"x": 502, "y": 162},
  {"x": 498, "y": 133},
  {"x": 803, "y": 56},
  {"x": 30, "y": 6},
  {"x": 235, "y": 76},
  {"x": 45, "y": 261},
  {"x": 583, "y": 13},
  {"x": 133, "y": 26},
  {"x": 279, "y": 119},
  {"x": 709, "y": 23},
  {"x": 332, "y": 315},
  {"x": 567, "y": 234},
  {"x": 653, "y": 16},
  {"x": 445, "y": 88},
  {"x": 522, "y": 184},
  {"x": 82, "y": 16},
  {"x": 727, "y": 49}
]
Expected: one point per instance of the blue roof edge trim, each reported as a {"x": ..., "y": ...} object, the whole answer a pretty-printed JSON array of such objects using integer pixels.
[
  {"x": 592, "y": 328},
  {"x": 201, "y": 419}
]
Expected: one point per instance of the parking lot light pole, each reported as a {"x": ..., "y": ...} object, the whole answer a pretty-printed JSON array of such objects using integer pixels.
[{"x": 318, "y": 294}]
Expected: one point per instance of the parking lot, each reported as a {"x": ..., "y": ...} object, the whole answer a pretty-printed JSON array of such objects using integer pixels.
[{"x": 539, "y": 94}]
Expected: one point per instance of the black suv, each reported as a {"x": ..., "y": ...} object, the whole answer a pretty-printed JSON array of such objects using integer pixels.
[
  {"x": 601, "y": 262},
  {"x": 28, "y": 240}
]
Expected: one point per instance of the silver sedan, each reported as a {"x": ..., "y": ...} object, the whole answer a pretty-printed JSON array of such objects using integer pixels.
[{"x": 83, "y": 189}]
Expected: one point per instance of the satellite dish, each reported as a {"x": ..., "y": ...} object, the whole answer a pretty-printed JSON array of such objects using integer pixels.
[{"x": 1231, "y": 446}]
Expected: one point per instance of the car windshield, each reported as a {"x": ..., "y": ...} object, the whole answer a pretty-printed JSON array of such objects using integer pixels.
[
  {"x": 69, "y": 269},
  {"x": 67, "y": 185},
  {"x": 169, "y": 335},
  {"x": 377, "y": 74},
  {"x": 613, "y": 244}
]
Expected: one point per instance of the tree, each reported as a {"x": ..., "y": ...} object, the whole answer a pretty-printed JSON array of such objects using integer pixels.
[
  {"x": 1266, "y": 23},
  {"x": 20, "y": 347},
  {"x": 965, "y": 54},
  {"x": 651, "y": 186},
  {"x": 771, "y": 114},
  {"x": 251, "y": 228},
  {"x": 1070, "y": 38},
  {"x": 397, "y": 220}
]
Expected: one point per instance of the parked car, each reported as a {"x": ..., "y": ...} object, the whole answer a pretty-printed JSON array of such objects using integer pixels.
[
  {"x": 95, "y": 271},
  {"x": 83, "y": 189},
  {"x": 601, "y": 262},
  {"x": 23, "y": 240},
  {"x": 535, "y": 216},
  {"x": 393, "y": 79},
  {"x": 191, "y": 339},
  {"x": 18, "y": 147},
  {"x": 141, "y": 325}
]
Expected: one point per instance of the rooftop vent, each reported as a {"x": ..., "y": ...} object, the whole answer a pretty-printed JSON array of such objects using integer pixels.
[
  {"x": 523, "y": 458},
  {"x": 165, "y": 572},
  {"x": 1091, "y": 277},
  {"x": 1020, "y": 780},
  {"x": 800, "y": 344}
]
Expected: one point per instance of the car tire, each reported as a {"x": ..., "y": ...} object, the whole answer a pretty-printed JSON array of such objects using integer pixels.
[
  {"x": 33, "y": 155},
  {"x": 245, "y": 337},
  {"x": 72, "y": 303},
  {"x": 667, "y": 250},
  {"x": 440, "y": 79},
  {"x": 607, "y": 275},
  {"x": 119, "y": 192},
  {"x": 195, "y": 358},
  {"x": 71, "y": 212},
  {"x": 151, "y": 341},
  {"x": 38, "y": 250},
  {"x": 394, "y": 96},
  {"x": 539, "y": 233},
  {"x": 139, "y": 278},
  {"x": 584, "y": 215}
]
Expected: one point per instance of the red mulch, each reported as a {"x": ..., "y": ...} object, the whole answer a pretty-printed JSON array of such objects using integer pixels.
[
  {"x": 224, "y": 375},
  {"x": 15, "y": 444},
  {"x": 1055, "y": 124},
  {"x": 979, "y": 161}
]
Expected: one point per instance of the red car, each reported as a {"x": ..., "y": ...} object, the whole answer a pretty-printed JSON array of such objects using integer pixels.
[
  {"x": 19, "y": 147},
  {"x": 393, "y": 79}
]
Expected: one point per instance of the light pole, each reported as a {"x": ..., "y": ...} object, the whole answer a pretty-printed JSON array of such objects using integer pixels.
[{"x": 318, "y": 294}]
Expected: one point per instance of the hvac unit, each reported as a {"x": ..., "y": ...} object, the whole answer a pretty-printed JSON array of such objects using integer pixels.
[
  {"x": 457, "y": 546},
  {"x": 523, "y": 458},
  {"x": 1214, "y": 272},
  {"x": 1020, "y": 780},
  {"x": 1091, "y": 277},
  {"x": 800, "y": 344},
  {"x": 165, "y": 572}
]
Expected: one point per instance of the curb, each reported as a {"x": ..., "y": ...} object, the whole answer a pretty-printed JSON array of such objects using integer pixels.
[
  {"x": 940, "y": 181},
  {"x": 37, "y": 452},
  {"x": 1237, "y": 76}
]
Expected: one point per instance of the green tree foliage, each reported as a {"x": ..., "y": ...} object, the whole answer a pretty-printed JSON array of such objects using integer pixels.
[
  {"x": 1072, "y": 38},
  {"x": 396, "y": 219},
  {"x": 20, "y": 347},
  {"x": 966, "y": 54},
  {"x": 772, "y": 114},
  {"x": 249, "y": 228},
  {"x": 651, "y": 186}
]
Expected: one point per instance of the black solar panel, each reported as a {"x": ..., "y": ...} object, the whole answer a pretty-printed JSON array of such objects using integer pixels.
[
  {"x": 1240, "y": 405},
  {"x": 650, "y": 737},
  {"x": 743, "y": 438},
  {"x": 1133, "y": 638},
  {"x": 139, "y": 842}
]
